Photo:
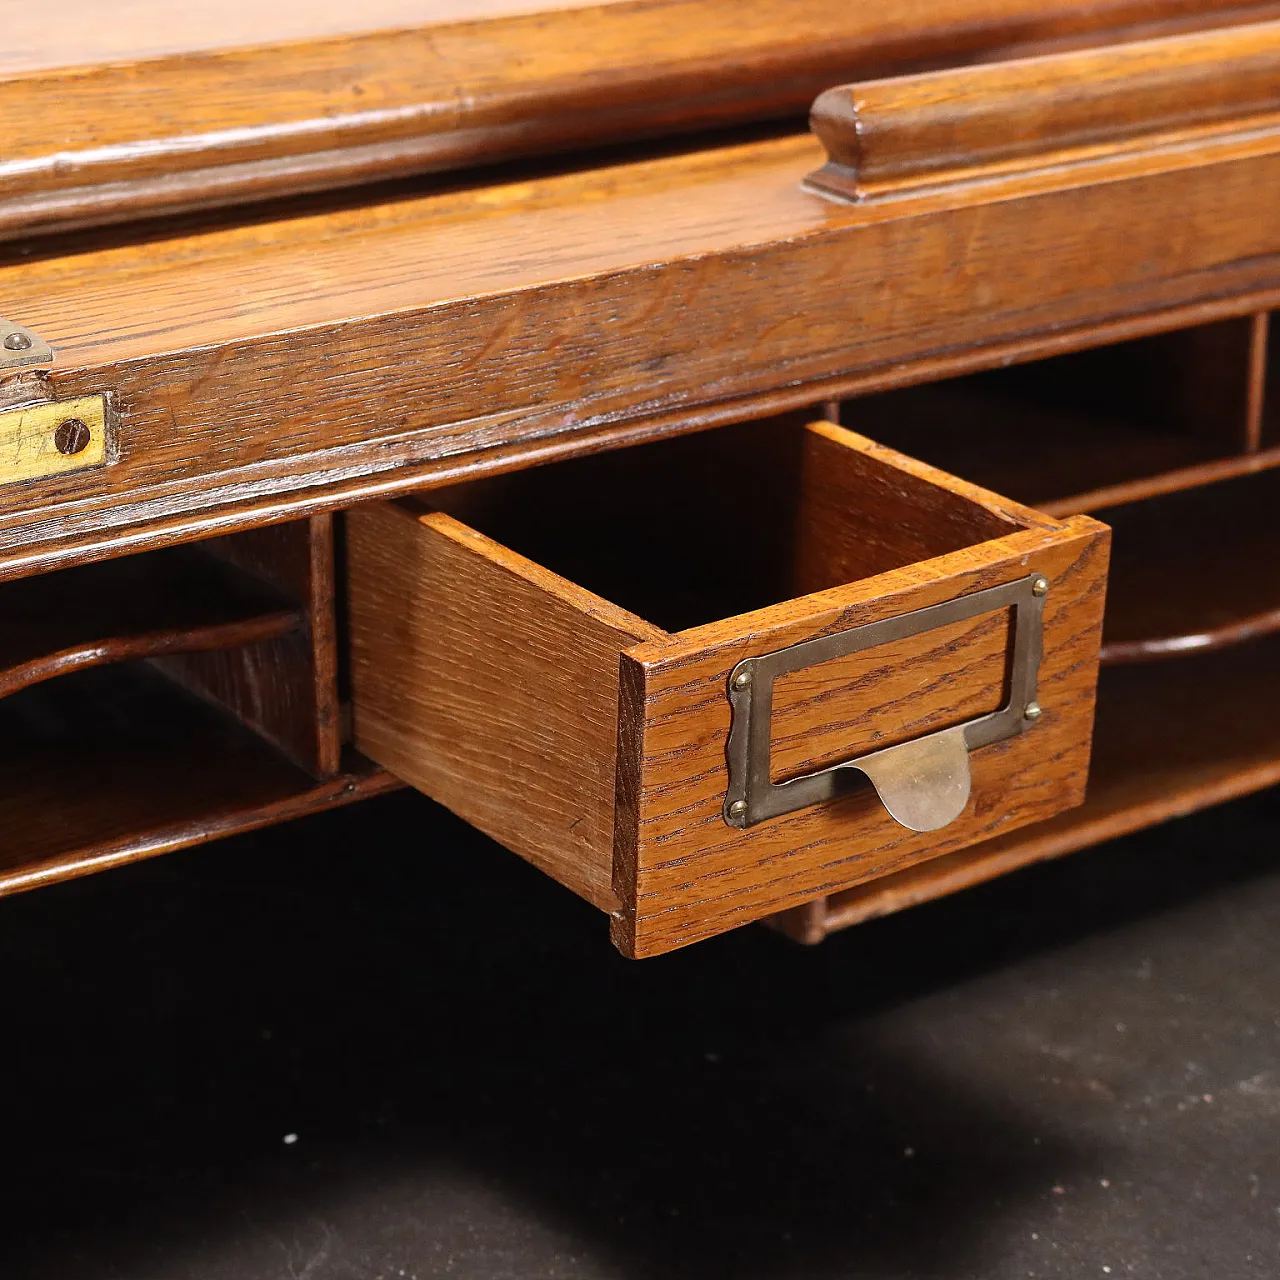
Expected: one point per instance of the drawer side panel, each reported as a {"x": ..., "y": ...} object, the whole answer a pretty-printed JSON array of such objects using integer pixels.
[{"x": 491, "y": 685}]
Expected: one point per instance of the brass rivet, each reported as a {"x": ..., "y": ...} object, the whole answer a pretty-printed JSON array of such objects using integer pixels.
[
  {"x": 1040, "y": 587},
  {"x": 742, "y": 679},
  {"x": 72, "y": 437},
  {"x": 17, "y": 342},
  {"x": 738, "y": 808},
  {"x": 1033, "y": 711}
]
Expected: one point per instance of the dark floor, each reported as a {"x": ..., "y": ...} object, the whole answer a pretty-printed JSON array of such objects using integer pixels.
[{"x": 374, "y": 1045}]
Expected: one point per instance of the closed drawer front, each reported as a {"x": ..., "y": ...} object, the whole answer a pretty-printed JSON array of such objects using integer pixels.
[{"x": 695, "y": 681}]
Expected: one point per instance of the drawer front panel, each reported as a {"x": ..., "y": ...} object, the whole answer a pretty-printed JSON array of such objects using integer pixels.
[{"x": 685, "y": 874}]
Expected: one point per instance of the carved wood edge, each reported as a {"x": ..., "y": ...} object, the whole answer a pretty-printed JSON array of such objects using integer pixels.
[
  {"x": 895, "y": 136},
  {"x": 281, "y": 119}
]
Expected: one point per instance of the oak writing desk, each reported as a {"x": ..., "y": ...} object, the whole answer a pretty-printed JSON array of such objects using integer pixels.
[{"x": 522, "y": 402}]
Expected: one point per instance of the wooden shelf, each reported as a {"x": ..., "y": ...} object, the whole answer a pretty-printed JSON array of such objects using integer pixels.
[
  {"x": 1171, "y": 738},
  {"x": 116, "y": 764},
  {"x": 166, "y": 602}
]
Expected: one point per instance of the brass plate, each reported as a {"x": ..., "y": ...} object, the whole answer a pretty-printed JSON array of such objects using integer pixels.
[
  {"x": 923, "y": 783},
  {"x": 29, "y": 438}
]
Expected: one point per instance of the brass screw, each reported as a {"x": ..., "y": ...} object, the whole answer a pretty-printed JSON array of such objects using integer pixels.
[
  {"x": 1040, "y": 587},
  {"x": 1033, "y": 711},
  {"x": 72, "y": 437},
  {"x": 742, "y": 679},
  {"x": 17, "y": 342},
  {"x": 738, "y": 808}
]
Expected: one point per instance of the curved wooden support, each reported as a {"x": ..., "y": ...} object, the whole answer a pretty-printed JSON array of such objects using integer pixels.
[
  {"x": 1207, "y": 641},
  {"x": 888, "y": 137},
  {"x": 153, "y": 644},
  {"x": 1191, "y": 572},
  {"x": 150, "y": 606}
]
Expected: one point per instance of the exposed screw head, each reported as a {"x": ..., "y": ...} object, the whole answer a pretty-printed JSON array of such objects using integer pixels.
[
  {"x": 17, "y": 342},
  {"x": 738, "y": 808},
  {"x": 742, "y": 680},
  {"x": 1032, "y": 711},
  {"x": 72, "y": 437},
  {"x": 1040, "y": 587}
]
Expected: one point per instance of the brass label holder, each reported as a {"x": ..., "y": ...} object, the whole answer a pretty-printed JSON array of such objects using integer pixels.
[
  {"x": 924, "y": 783},
  {"x": 53, "y": 438}
]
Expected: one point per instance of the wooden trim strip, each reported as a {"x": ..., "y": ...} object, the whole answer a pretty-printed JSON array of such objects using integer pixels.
[
  {"x": 885, "y": 137},
  {"x": 132, "y": 134}
]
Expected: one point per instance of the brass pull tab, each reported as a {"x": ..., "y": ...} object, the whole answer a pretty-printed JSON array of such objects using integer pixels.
[{"x": 924, "y": 784}]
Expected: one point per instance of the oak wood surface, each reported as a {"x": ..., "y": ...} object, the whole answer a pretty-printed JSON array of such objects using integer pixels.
[
  {"x": 261, "y": 103},
  {"x": 390, "y": 346},
  {"x": 886, "y": 136},
  {"x": 493, "y": 683},
  {"x": 1171, "y": 738},
  {"x": 285, "y": 687},
  {"x": 490, "y": 684},
  {"x": 694, "y": 876}
]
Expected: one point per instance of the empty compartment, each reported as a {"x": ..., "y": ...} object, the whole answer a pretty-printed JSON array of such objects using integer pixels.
[
  {"x": 1077, "y": 432},
  {"x": 162, "y": 699},
  {"x": 1194, "y": 570}
]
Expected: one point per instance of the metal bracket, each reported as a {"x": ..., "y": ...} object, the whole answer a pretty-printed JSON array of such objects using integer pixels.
[
  {"x": 925, "y": 783},
  {"x": 19, "y": 347}
]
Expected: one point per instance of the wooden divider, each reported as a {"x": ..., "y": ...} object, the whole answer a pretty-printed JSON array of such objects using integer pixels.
[{"x": 158, "y": 701}]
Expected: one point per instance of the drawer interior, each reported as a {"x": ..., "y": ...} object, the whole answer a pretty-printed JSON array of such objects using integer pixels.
[{"x": 686, "y": 531}]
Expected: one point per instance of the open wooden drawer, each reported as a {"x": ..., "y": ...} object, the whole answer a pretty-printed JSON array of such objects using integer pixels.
[{"x": 834, "y": 630}]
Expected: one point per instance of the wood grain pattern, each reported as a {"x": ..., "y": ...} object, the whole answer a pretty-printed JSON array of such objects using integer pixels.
[
  {"x": 695, "y": 876},
  {"x": 389, "y": 347},
  {"x": 1170, "y": 739},
  {"x": 887, "y": 136},
  {"x": 261, "y": 104},
  {"x": 283, "y": 686},
  {"x": 838, "y": 710},
  {"x": 166, "y": 602},
  {"x": 490, "y": 684}
]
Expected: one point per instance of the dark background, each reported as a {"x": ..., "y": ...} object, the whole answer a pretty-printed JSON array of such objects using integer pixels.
[{"x": 1074, "y": 1072}]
